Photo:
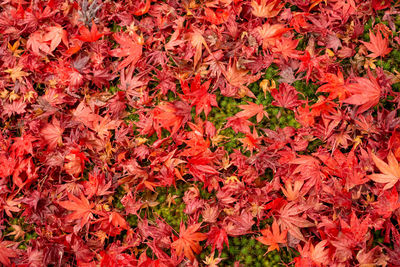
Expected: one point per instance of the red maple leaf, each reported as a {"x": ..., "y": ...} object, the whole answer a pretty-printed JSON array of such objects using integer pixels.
[
  {"x": 378, "y": 45},
  {"x": 286, "y": 97},
  {"x": 199, "y": 96},
  {"x": 188, "y": 241},
  {"x": 24, "y": 173},
  {"x": 216, "y": 17},
  {"x": 16, "y": 107},
  {"x": 130, "y": 47},
  {"x": 118, "y": 221},
  {"x": 364, "y": 93},
  {"x": 141, "y": 7},
  {"x": 286, "y": 47},
  {"x": 75, "y": 162},
  {"x": 81, "y": 207},
  {"x": 197, "y": 41},
  {"x": 166, "y": 115},
  {"x": 37, "y": 43},
  {"x": 311, "y": 255},
  {"x": 380, "y": 4},
  {"x": 387, "y": 203},
  {"x": 335, "y": 86},
  {"x": 52, "y": 134},
  {"x": 290, "y": 220},
  {"x": 251, "y": 141},
  {"x": 239, "y": 124},
  {"x": 7, "y": 251},
  {"x": 217, "y": 237},
  {"x": 240, "y": 78},
  {"x": 270, "y": 33},
  {"x": 89, "y": 36}
]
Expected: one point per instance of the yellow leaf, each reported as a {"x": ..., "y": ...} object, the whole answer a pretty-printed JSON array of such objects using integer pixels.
[{"x": 16, "y": 73}]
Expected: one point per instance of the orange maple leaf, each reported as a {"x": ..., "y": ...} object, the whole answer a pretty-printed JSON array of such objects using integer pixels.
[
  {"x": 266, "y": 8},
  {"x": 273, "y": 238},
  {"x": 251, "y": 110},
  {"x": 390, "y": 172},
  {"x": 292, "y": 192},
  {"x": 188, "y": 241}
]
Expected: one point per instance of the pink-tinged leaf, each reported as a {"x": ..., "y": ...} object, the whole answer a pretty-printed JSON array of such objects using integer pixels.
[
  {"x": 378, "y": 45},
  {"x": 102, "y": 126},
  {"x": 217, "y": 237},
  {"x": 286, "y": 97},
  {"x": 290, "y": 220},
  {"x": 52, "y": 134},
  {"x": 240, "y": 78},
  {"x": 390, "y": 172},
  {"x": 75, "y": 162},
  {"x": 270, "y": 33},
  {"x": 37, "y": 44},
  {"x": 239, "y": 124},
  {"x": 311, "y": 255},
  {"x": 130, "y": 47},
  {"x": 7, "y": 251},
  {"x": 174, "y": 41},
  {"x": 266, "y": 8},
  {"x": 54, "y": 35},
  {"x": 197, "y": 41},
  {"x": 16, "y": 107}
]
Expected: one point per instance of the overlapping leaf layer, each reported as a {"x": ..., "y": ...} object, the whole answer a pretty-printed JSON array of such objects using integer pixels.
[{"x": 162, "y": 133}]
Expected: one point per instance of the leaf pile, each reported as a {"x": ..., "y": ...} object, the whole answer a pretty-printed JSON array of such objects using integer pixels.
[{"x": 279, "y": 117}]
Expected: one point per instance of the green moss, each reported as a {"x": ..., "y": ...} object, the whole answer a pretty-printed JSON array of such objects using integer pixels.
[
  {"x": 250, "y": 252},
  {"x": 306, "y": 90},
  {"x": 172, "y": 213},
  {"x": 117, "y": 196},
  {"x": 271, "y": 72},
  {"x": 314, "y": 145},
  {"x": 233, "y": 142}
]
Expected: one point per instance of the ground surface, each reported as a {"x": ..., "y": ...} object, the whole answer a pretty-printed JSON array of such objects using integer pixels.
[{"x": 199, "y": 133}]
